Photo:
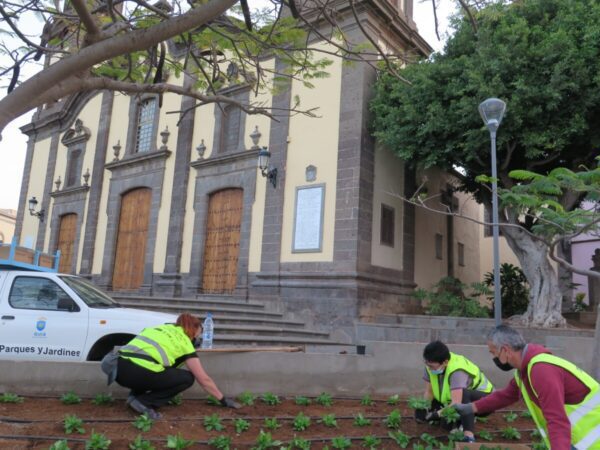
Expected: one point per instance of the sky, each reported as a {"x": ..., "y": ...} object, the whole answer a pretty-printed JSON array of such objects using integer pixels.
[{"x": 14, "y": 143}]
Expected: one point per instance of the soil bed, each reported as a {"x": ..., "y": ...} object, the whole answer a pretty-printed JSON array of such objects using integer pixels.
[{"x": 38, "y": 422}]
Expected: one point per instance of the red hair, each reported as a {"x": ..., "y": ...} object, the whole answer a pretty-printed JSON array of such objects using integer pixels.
[{"x": 189, "y": 323}]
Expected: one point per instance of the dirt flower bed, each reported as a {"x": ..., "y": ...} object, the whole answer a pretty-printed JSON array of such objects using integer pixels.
[{"x": 36, "y": 423}]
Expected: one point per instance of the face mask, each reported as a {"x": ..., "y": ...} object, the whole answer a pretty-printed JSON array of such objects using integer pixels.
[
  {"x": 196, "y": 342},
  {"x": 437, "y": 371},
  {"x": 502, "y": 366}
]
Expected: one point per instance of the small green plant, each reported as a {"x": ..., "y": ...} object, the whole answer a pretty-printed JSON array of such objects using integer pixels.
[
  {"x": 361, "y": 421},
  {"x": 366, "y": 400},
  {"x": 511, "y": 416},
  {"x": 302, "y": 401},
  {"x": 70, "y": 398},
  {"x": 418, "y": 403},
  {"x": 526, "y": 414},
  {"x": 456, "y": 436},
  {"x": 448, "y": 299},
  {"x": 299, "y": 443},
  {"x": 143, "y": 422},
  {"x": 419, "y": 446},
  {"x": 140, "y": 444},
  {"x": 324, "y": 399},
  {"x": 212, "y": 400},
  {"x": 450, "y": 414},
  {"x": 60, "y": 445},
  {"x": 241, "y": 425},
  {"x": 213, "y": 423},
  {"x": 511, "y": 433},
  {"x": 400, "y": 438},
  {"x": 393, "y": 399},
  {"x": 393, "y": 420},
  {"x": 539, "y": 446},
  {"x": 579, "y": 305},
  {"x": 485, "y": 435},
  {"x": 371, "y": 442},
  {"x": 264, "y": 441},
  {"x": 97, "y": 441},
  {"x": 247, "y": 398},
  {"x": 271, "y": 423},
  {"x": 178, "y": 442},
  {"x": 73, "y": 424},
  {"x": 301, "y": 422},
  {"x": 220, "y": 442},
  {"x": 270, "y": 399},
  {"x": 8, "y": 397},
  {"x": 536, "y": 434},
  {"x": 430, "y": 440},
  {"x": 103, "y": 399},
  {"x": 341, "y": 442},
  {"x": 329, "y": 420},
  {"x": 514, "y": 290},
  {"x": 177, "y": 400},
  {"x": 481, "y": 419}
]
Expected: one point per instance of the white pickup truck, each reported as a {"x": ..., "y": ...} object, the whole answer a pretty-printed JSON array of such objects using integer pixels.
[{"x": 48, "y": 316}]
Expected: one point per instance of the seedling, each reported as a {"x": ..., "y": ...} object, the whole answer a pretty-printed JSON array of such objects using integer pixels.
[
  {"x": 7, "y": 397},
  {"x": 103, "y": 399},
  {"x": 418, "y": 403},
  {"x": 371, "y": 442},
  {"x": 430, "y": 440},
  {"x": 324, "y": 399},
  {"x": 393, "y": 420},
  {"x": 361, "y": 421},
  {"x": 341, "y": 442},
  {"x": 419, "y": 446},
  {"x": 177, "y": 442},
  {"x": 241, "y": 425},
  {"x": 143, "y": 422},
  {"x": 486, "y": 435},
  {"x": 97, "y": 441},
  {"x": 400, "y": 438},
  {"x": 456, "y": 436},
  {"x": 302, "y": 401},
  {"x": 140, "y": 444},
  {"x": 299, "y": 443},
  {"x": 539, "y": 446},
  {"x": 393, "y": 400},
  {"x": 481, "y": 419},
  {"x": 70, "y": 398},
  {"x": 59, "y": 445},
  {"x": 301, "y": 422},
  {"x": 450, "y": 414},
  {"x": 213, "y": 422},
  {"x": 73, "y": 424},
  {"x": 271, "y": 423},
  {"x": 211, "y": 400},
  {"x": 220, "y": 442},
  {"x": 177, "y": 400},
  {"x": 264, "y": 441},
  {"x": 526, "y": 414},
  {"x": 511, "y": 433},
  {"x": 247, "y": 398},
  {"x": 329, "y": 420},
  {"x": 510, "y": 417},
  {"x": 366, "y": 400},
  {"x": 536, "y": 434},
  {"x": 270, "y": 399}
]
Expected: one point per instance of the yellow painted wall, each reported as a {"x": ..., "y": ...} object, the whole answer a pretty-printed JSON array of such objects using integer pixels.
[
  {"x": 37, "y": 177},
  {"x": 7, "y": 225},
  {"x": 487, "y": 249},
  {"x": 313, "y": 141},
  {"x": 388, "y": 188}
]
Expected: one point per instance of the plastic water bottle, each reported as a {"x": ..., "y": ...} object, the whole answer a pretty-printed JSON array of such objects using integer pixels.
[{"x": 207, "y": 331}]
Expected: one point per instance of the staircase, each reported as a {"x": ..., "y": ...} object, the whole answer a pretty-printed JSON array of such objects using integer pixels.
[{"x": 242, "y": 323}]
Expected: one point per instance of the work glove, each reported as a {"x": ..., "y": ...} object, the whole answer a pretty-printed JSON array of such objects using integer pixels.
[
  {"x": 432, "y": 415},
  {"x": 464, "y": 409},
  {"x": 421, "y": 415},
  {"x": 229, "y": 403}
]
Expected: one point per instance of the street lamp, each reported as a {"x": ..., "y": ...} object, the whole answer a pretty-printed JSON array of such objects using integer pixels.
[
  {"x": 492, "y": 111},
  {"x": 264, "y": 158},
  {"x": 32, "y": 209}
]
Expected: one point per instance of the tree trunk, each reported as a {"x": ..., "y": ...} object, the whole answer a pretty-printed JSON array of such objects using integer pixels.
[{"x": 545, "y": 298}]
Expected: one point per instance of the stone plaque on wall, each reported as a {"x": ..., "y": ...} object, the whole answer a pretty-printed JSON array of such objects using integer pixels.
[{"x": 308, "y": 219}]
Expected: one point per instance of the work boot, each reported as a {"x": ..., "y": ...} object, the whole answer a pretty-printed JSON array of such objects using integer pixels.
[{"x": 139, "y": 407}]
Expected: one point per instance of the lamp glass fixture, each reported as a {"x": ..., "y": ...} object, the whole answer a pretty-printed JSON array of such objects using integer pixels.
[
  {"x": 32, "y": 204},
  {"x": 264, "y": 156},
  {"x": 492, "y": 111}
]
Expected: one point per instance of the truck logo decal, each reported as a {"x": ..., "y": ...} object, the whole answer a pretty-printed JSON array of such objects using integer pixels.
[{"x": 40, "y": 326}]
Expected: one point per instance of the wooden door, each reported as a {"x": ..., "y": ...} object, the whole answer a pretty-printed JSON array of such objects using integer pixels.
[
  {"x": 222, "y": 245},
  {"x": 130, "y": 254},
  {"x": 66, "y": 242}
]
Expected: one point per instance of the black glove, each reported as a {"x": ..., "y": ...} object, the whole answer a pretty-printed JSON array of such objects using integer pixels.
[
  {"x": 421, "y": 415},
  {"x": 229, "y": 403},
  {"x": 464, "y": 409},
  {"x": 432, "y": 415}
]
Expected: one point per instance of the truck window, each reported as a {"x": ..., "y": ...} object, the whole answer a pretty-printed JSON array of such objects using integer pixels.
[
  {"x": 91, "y": 295},
  {"x": 36, "y": 293}
]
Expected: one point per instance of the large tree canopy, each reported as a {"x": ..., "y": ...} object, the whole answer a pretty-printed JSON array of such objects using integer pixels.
[{"x": 543, "y": 58}]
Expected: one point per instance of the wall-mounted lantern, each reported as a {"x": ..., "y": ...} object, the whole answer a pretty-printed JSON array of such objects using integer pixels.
[
  {"x": 32, "y": 209},
  {"x": 264, "y": 158}
]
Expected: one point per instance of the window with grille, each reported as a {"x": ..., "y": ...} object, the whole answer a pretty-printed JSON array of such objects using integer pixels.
[
  {"x": 73, "y": 168},
  {"x": 387, "y": 225},
  {"x": 145, "y": 125},
  {"x": 230, "y": 129}
]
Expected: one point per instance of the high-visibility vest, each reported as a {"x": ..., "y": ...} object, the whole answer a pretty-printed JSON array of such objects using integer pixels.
[
  {"x": 479, "y": 381},
  {"x": 584, "y": 417},
  {"x": 158, "y": 347}
]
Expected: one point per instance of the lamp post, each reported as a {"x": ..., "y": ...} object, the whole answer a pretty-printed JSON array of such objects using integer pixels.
[{"x": 492, "y": 111}]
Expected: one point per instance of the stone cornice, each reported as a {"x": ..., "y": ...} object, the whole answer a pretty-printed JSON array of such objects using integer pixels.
[
  {"x": 70, "y": 191},
  {"x": 138, "y": 158},
  {"x": 225, "y": 159}
]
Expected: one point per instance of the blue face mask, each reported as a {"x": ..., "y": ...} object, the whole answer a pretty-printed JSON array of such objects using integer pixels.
[{"x": 437, "y": 371}]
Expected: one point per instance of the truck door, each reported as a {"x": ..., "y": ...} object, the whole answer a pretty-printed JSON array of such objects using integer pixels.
[{"x": 40, "y": 321}]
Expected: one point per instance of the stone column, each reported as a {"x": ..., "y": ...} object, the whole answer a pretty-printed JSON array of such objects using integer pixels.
[{"x": 594, "y": 283}]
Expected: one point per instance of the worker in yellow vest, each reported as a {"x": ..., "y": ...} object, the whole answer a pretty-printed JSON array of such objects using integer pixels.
[
  {"x": 450, "y": 379},
  {"x": 563, "y": 400},
  {"x": 149, "y": 366}
]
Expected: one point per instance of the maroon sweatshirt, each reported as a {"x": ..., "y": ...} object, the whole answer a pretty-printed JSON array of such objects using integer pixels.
[{"x": 555, "y": 388}]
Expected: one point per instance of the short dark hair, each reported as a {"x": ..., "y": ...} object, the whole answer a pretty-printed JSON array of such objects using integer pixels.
[{"x": 437, "y": 352}]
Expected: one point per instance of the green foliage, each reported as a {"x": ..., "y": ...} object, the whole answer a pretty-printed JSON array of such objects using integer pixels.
[
  {"x": 60, "y": 445},
  {"x": 579, "y": 305},
  {"x": 212, "y": 400},
  {"x": 299, "y": 443},
  {"x": 140, "y": 444},
  {"x": 456, "y": 436},
  {"x": 393, "y": 399},
  {"x": 9, "y": 397},
  {"x": 143, "y": 422},
  {"x": 371, "y": 442},
  {"x": 361, "y": 421},
  {"x": 97, "y": 441},
  {"x": 247, "y": 398},
  {"x": 536, "y": 434},
  {"x": 176, "y": 400},
  {"x": 514, "y": 290},
  {"x": 264, "y": 441},
  {"x": 178, "y": 442},
  {"x": 241, "y": 425},
  {"x": 213, "y": 423},
  {"x": 270, "y": 399},
  {"x": 430, "y": 440},
  {"x": 526, "y": 414},
  {"x": 301, "y": 422},
  {"x": 400, "y": 438},
  {"x": 329, "y": 420},
  {"x": 271, "y": 423},
  {"x": 510, "y": 433},
  {"x": 510, "y": 416},
  {"x": 73, "y": 424},
  {"x": 418, "y": 403},
  {"x": 482, "y": 419},
  {"x": 366, "y": 400},
  {"x": 220, "y": 442},
  {"x": 450, "y": 414},
  {"x": 485, "y": 435},
  {"x": 324, "y": 399},
  {"x": 103, "y": 399},
  {"x": 393, "y": 419},
  {"x": 341, "y": 442},
  {"x": 539, "y": 446},
  {"x": 302, "y": 401},
  {"x": 448, "y": 299},
  {"x": 70, "y": 398}
]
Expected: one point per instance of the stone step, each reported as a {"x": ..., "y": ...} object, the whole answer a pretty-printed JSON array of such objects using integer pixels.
[
  {"x": 222, "y": 328},
  {"x": 232, "y": 340},
  {"x": 201, "y": 310},
  {"x": 206, "y": 301}
]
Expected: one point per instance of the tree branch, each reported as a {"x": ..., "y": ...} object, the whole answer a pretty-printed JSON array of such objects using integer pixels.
[{"x": 86, "y": 19}]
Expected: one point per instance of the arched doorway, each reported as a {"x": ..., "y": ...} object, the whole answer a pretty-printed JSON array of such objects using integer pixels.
[
  {"x": 132, "y": 235},
  {"x": 222, "y": 244},
  {"x": 66, "y": 242}
]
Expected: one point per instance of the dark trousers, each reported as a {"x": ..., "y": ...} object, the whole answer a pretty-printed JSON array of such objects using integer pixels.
[
  {"x": 153, "y": 389},
  {"x": 467, "y": 421}
]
